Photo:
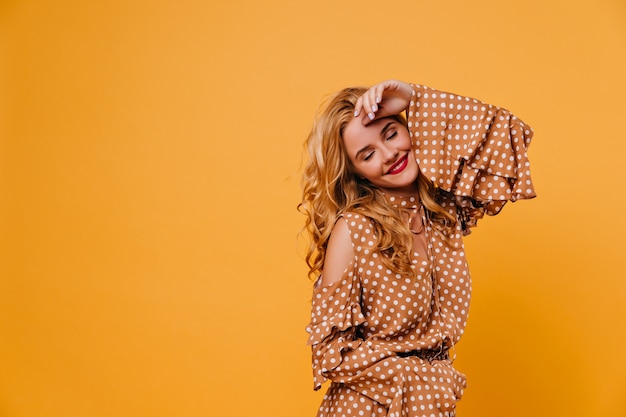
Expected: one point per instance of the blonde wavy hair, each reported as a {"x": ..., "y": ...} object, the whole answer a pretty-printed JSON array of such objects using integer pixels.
[{"x": 331, "y": 188}]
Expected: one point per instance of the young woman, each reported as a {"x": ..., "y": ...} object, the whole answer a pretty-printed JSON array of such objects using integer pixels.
[{"x": 388, "y": 200}]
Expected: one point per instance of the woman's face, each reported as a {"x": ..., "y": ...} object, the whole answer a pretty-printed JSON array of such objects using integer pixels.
[{"x": 381, "y": 153}]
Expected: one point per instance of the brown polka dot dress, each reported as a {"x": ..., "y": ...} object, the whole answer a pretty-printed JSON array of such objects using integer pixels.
[{"x": 384, "y": 339}]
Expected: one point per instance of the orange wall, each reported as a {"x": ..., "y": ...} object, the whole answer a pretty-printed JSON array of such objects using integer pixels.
[{"x": 149, "y": 156}]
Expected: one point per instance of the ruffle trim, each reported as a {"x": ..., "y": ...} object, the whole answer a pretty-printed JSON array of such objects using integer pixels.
[
  {"x": 348, "y": 316},
  {"x": 336, "y": 313},
  {"x": 473, "y": 150}
]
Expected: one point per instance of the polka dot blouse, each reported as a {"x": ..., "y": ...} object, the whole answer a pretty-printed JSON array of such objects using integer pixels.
[{"x": 382, "y": 338}]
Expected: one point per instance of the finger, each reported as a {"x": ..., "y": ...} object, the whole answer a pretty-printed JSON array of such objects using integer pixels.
[
  {"x": 377, "y": 93},
  {"x": 366, "y": 103},
  {"x": 373, "y": 94},
  {"x": 380, "y": 90},
  {"x": 362, "y": 106},
  {"x": 369, "y": 102},
  {"x": 358, "y": 106}
]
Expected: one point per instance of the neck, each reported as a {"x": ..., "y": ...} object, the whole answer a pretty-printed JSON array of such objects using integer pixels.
[{"x": 409, "y": 191}]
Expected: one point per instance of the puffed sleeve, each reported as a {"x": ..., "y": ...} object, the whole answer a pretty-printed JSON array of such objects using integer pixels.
[{"x": 473, "y": 150}]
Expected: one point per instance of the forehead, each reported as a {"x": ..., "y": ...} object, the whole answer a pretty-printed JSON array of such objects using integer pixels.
[{"x": 356, "y": 134}]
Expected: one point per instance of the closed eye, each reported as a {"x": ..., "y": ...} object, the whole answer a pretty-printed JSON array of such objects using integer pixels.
[
  {"x": 368, "y": 156},
  {"x": 392, "y": 135}
]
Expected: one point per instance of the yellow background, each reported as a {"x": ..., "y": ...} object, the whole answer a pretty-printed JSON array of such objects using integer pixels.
[{"x": 149, "y": 159}]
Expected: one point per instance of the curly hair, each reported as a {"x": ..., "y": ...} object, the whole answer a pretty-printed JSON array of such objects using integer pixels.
[{"x": 332, "y": 188}]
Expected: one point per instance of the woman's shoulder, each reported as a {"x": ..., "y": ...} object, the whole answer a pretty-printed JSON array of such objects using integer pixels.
[
  {"x": 361, "y": 229},
  {"x": 351, "y": 234},
  {"x": 357, "y": 221}
]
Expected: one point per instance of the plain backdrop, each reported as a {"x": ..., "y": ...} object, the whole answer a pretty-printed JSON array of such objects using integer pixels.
[{"x": 150, "y": 151}]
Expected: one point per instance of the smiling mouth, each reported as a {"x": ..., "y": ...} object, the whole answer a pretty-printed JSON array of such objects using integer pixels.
[{"x": 399, "y": 165}]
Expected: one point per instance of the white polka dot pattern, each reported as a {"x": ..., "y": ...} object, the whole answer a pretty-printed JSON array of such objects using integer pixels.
[
  {"x": 475, "y": 150},
  {"x": 362, "y": 325},
  {"x": 360, "y": 322}
]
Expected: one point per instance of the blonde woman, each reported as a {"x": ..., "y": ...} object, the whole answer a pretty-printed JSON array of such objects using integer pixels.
[{"x": 388, "y": 200}]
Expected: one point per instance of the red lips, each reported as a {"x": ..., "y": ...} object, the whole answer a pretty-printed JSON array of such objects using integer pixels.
[{"x": 399, "y": 166}]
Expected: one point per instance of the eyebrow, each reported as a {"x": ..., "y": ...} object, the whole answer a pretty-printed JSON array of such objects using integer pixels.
[{"x": 382, "y": 133}]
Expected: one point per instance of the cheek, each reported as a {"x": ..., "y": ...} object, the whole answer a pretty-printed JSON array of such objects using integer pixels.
[
  {"x": 354, "y": 168},
  {"x": 406, "y": 141},
  {"x": 362, "y": 173}
]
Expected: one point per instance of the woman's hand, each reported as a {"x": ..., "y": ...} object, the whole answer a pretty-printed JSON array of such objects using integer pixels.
[{"x": 383, "y": 99}]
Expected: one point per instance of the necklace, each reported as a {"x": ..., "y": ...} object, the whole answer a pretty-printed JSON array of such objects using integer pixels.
[{"x": 416, "y": 217}]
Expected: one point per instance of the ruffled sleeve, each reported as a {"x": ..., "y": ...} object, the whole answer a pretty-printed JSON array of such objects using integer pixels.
[
  {"x": 335, "y": 315},
  {"x": 473, "y": 150}
]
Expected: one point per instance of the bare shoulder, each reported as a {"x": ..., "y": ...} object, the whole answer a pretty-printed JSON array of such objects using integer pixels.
[{"x": 339, "y": 253}]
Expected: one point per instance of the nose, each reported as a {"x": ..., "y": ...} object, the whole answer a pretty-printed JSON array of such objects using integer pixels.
[{"x": 389, "y": 153}]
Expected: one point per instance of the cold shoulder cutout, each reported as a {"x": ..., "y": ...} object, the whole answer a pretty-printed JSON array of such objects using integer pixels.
[{"x": 339, "y": 253}]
